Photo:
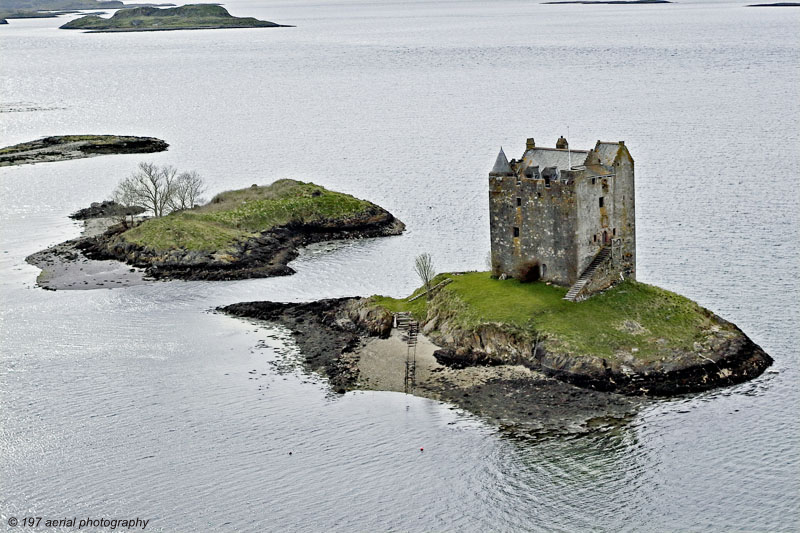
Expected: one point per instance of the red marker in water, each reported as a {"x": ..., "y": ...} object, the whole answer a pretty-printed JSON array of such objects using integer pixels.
[{"x": 422, "y": 449}]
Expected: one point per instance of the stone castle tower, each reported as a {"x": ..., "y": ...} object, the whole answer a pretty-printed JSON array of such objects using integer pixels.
[{"x": 564, "y": 216}]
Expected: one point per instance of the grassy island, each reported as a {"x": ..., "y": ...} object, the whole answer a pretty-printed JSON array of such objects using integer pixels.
[
  {"x": 631, "y": 338},
  {"x": 188, "y": 17},
  {"x": 512, "y": 351},
  {"x": 632, "y": 318},
  {"x": 252, "y": 232},
  {"x": 233, "y": 216}
]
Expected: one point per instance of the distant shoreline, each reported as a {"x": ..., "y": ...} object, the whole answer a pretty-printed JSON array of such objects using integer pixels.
[
  {"x": 14, "y": 9},
  {"x": 610, "y": 2},
  {"x": 136, "y": 30}
]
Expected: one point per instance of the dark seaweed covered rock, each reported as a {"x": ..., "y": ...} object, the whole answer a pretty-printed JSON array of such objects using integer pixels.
[{"x": 107, "y": 208}]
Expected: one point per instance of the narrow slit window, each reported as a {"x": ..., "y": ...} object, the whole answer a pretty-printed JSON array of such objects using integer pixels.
[
  {"x": 593, "y": 180},
  {"x": 614, "y": 232},
  {"x": 602, "y": 201},
  {"x": 595, "y": 237},
  {"x": 519, "y": 202},
  {"x": 516, "y": 232},
  {"x": 547, "y": 182}
]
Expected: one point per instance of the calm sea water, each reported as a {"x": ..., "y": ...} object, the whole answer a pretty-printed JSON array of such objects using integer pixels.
[{"x": 141, "y": 402}]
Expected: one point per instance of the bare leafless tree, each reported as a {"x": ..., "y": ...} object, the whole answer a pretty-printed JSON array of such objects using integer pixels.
[
  {"x": 186, "y": 191},
  {"x": 125, "y": 196},
  {"x": 423, "y": 266},
  {"x": 150, "y": 186}
]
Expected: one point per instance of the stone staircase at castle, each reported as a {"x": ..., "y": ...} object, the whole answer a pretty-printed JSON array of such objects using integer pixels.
[{"x": 577, "y": 287}]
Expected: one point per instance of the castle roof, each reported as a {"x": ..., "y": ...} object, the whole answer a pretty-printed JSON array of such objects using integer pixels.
[
  {"x": 552, "y": 157},
  {"x": 607, "y": 152},
  {"x": 501, "y": 166}
]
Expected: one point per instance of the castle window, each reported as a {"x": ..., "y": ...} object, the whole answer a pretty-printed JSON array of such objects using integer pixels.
[
  {"x": 547, "y": 182},
  {"x": 614, "y": 232},
  {"x": 538, "y": 195},
  {"x": 594, "y": 237},
  {"x": 516, "y": 232},
  {"x": 601, "y": 201},
  {"x": 593, "y": 181},
  {"x": 519, "y": 202}
]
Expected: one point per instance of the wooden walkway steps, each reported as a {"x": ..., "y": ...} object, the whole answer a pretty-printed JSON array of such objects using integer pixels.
[{"x": 406, "y": 322}]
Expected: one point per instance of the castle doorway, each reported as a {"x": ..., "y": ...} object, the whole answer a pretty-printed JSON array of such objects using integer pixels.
[
  {"x": 605, "y": 238},
  {"x": 542, "y": 270}
]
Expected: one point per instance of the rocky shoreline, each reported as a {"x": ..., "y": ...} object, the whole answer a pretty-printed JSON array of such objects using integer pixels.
[
  {"x": 64, "y": 267},
  {"x": 330, "y": 334},
  {"x": 65, "y": 147},
  {"x": 355, "y": 346},
  {"x": 265, "y": 255},
  {"x": 725, "y": 357}
]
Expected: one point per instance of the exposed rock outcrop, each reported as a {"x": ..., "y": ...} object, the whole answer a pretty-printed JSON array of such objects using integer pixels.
[
  {"x": 105, "y": 209},
  {"x": 725, "y": 357},
  {"x": 64, "y": 147}
]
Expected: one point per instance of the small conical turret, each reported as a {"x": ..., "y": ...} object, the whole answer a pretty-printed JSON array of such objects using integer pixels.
[{"x": 501, "y": 166}]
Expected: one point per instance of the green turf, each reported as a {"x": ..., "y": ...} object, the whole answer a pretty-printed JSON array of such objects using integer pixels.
[
  {"x": 630, "y": 316},
  {"x": 235, "y": 215}
]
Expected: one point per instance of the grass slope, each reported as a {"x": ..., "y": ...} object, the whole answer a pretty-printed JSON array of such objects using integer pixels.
[
  {"x": 630, "y": 316},
  {"x": 152, "y": 18},
  {"x": 235, "y": 215}
]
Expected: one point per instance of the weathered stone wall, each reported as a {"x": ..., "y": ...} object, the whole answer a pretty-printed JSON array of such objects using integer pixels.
[
  {"x": 605, "y": 275},
  {"x": 546, "y": 222},
  {"x": 593, "y": 220},
  {"x": 562, "y": 223},
  {"x": 625, "y": 214}
]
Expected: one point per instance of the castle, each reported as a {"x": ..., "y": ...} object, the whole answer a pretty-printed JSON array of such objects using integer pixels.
[{"x": 564, "y": 216}]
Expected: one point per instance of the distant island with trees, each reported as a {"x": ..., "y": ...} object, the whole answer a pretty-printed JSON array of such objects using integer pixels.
[{"x": 188, "y": 17}]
